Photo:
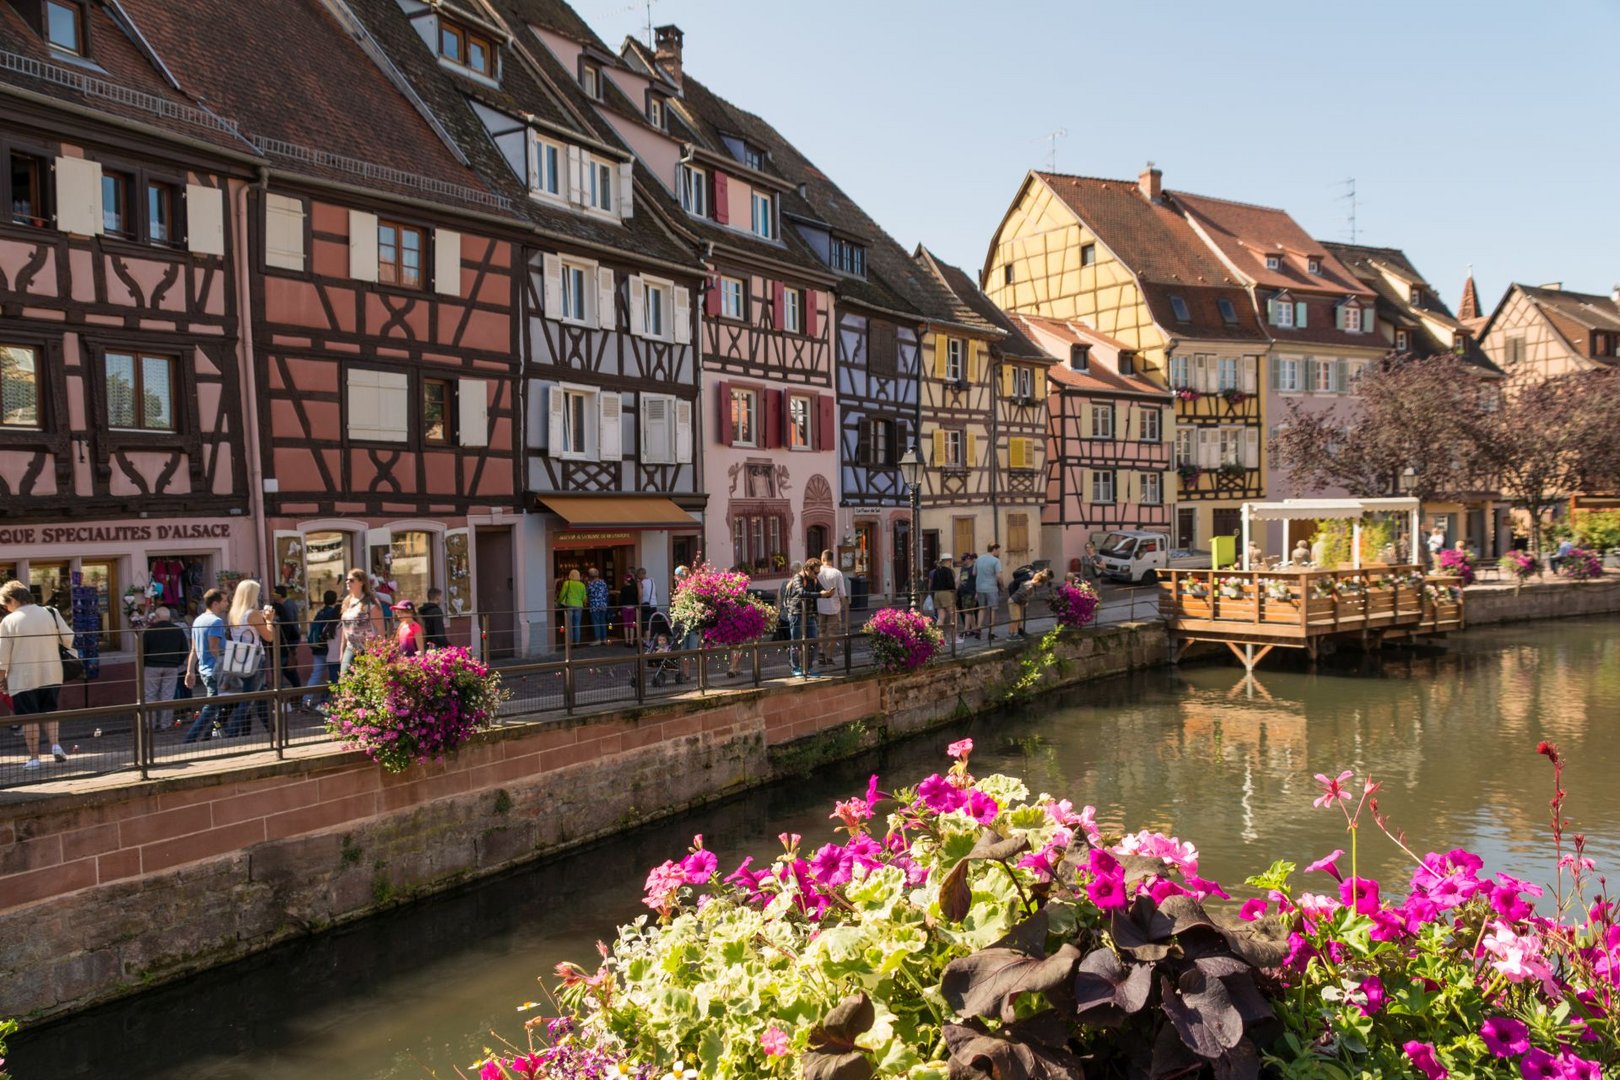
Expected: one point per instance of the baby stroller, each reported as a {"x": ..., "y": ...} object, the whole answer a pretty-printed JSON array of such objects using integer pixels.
[{"x": 661, "y": 666}]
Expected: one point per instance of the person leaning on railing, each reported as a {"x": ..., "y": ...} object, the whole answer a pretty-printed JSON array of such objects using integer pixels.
[
  {"x": 164, "y": 652},
  {"x": 31, "y": 640}
]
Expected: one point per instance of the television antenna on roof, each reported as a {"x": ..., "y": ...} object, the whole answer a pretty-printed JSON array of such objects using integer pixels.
[
  {"x": 647, "y": 9},
  {"x": 1052, "y": 138},
  {"x": 1351, "y": 196}
]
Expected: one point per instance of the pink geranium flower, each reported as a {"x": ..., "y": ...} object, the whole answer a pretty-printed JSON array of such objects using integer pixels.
[
  {"x": 1333, "y": 790},
  {"x": 774, "y": 1041},
  {"x": 960, "y": 749}
]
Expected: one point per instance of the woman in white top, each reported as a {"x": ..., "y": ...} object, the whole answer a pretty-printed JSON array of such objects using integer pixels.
[
  {"x": 31, "y": 664},
  {"x": 248, "y": 622},
  {"x": 360, "y": 619}
]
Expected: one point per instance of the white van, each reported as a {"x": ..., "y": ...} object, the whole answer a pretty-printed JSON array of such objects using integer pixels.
[{"x": 1137, "y": 556}]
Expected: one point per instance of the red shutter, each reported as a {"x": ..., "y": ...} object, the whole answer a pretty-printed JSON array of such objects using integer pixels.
[
  {"x": 775, "y": 402},
  {"x": 777, "y": 303},
  {"x": 722, "y": 412},
  {"x": 722, "y": 212},
  {"x": 810, "y": 313},
  {"x": 711, "y": 299},
  {"x": 826, "y": 422}
]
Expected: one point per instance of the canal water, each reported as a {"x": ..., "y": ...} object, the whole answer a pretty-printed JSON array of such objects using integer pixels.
[{"x": 1199, "y": 752}]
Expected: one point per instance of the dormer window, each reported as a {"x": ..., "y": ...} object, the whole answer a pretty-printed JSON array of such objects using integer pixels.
[
  {"x": 764, "y": 214},
  {"x": 1088, "y": 254},
  {"x": 467, "y": 48},
  {"x": 848, "y": 257},
  {"x": 590, "y": 77},
  {"x": 1314, "y": 265},
  {"x": 694, "y": 192},
  {"x": 547, "y": 175},
  {"x": 1127, "y": 362},
  {"x": 1273, "y": 262},
  {"x": 1417, "y": 296},
  {"x": 1079, "y": 357},
  {"x": 1403, "y": 340},
  {"x": 1228, "y": 312},
  {"x": 655, "y": 112},
  {"x": 1350, "y": 318},
  {"x": 64, "y": 26},
  {"x": 753, "y": 157},
  {"x": 1178, "y": 305}
]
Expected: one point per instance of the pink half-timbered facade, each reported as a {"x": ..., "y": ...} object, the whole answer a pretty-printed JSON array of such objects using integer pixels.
[{"x": 1109, "y": 440}]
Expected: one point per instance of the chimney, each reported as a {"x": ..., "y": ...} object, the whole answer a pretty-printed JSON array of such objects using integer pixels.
[
  {"x": 1614, "y": 294},
  {"x": 1148, "y": 182},
  {"x": 668, "y": 51}
]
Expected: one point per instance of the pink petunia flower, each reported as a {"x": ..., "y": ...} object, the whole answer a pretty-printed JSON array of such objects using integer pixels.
[
  {"x": 982, "y": 808},
  {"x": 1505, "y": 1037},
  {"x": 1107, "y": 892},
  {"x": 1578, "y": 1068},
  {"x": 1423, "y": 1058},
  {"x": 492, "y": 1071},
  {"x": 1329, "y": 864},
  {"x": 940, "y": 795},
  {"x": 1537, "y": 1064},
  {"x": 1362, "y": 891},
  {"x": 1253, "y": 909},
  {"x": 1372, "y": 991}
]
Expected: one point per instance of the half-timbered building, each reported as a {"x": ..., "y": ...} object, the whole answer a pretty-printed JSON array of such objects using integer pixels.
[
  {"x": 1108, "y": 453},
  {"x": 1120, "y": 258},
  {"x": 123, "y": 464},
  {"x": 993, "y": 388},
  {"x": 771, "y": 419},
  {"x": 383, "y": 290},
  {"x": 609, "y": 294},
  {"x": 1540, "y": 332}
]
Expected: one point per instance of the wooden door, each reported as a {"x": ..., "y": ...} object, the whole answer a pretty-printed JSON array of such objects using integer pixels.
[
  {"x": 1186, "y": 528},
  {"x": 493, "y": 589},
  {"x": 961, "y": 537},
  {"x": 1226, "y": 522}
]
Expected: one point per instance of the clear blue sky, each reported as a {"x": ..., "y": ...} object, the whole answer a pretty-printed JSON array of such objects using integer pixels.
[{"x": 1482, "y": 133}]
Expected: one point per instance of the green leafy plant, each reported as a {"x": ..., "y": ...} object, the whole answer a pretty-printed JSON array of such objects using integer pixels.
[{"x": 1598, "y": 529}]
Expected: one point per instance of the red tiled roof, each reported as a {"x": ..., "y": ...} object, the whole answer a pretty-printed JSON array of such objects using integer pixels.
[
  {"x": 1103, "y": 375},
  {"x": 1245, "y": 234}
]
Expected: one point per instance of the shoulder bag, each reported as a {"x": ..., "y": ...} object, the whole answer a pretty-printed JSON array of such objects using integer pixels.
[
  {"x": 72, "y": 666},
  {"x": 243, "y": 655}
]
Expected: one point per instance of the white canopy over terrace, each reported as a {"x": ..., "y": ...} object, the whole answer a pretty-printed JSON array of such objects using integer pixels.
[{"x": 1328, "y": 509}]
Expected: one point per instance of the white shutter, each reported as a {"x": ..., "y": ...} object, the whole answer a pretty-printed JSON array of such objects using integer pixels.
[
  {"x": 656, "y": 423},
  {"x": 638, "y": 304},
  {"x": 555, "y": 404},
  {"x": 606, "y": 308},
  {"x": 447, "y": 262},
  {"x": 205, "y": 220},
  {"x": 683, "y": 315},
  {"x": 1369, "y": 320},
  {"x": 363, "y": 415},
  {"x": 1251, "y": 447},
  {"x": 683, "y": 432},
  {"x": 284, "y": 232},
  {"x": 1271, "y": 312},
  {"x": 552, "y": 272},
  {"x": 78, "y": 196},
  {"x": 627, "y": 202},
  {"x": 472, "y": 403},
  {"x": 576, "y": 179},
  {"x": 1251, "y": 376},
  {"x": 1209, "y": 448},
  {"x": 1206, "y": 373},
  {"x": 393, "y": 406},
  {"x": 609, "y": 417},
  {"x": 362, "y": 245},
  {"x": 1300, "y": 312}
]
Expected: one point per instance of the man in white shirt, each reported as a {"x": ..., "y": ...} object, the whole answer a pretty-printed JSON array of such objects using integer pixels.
[
  {"x": 831, "y": 606},
  {"x": 31, "y": 664}
]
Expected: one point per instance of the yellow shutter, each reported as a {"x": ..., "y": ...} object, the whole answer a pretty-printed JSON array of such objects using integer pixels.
[
  {"x": 1040, "y": 385},
  {"x": 976, "y": 351},
  {"x": 1085, "y": 418},
  {"x": 940, "y": 348},
  {"x": 939, "y": 446},
  {"x": 1085, "y": 485},
  {"x": 1007, "y": 374},
  {"x": 971, "y": 457}
]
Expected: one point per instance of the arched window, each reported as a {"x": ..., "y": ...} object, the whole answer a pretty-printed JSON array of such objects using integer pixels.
[{"x": 412, "y": 565}]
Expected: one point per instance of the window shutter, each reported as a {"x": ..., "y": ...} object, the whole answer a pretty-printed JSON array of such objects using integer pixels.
[
  {"x": 1341, "y": 376},
  {"x": 683, "y": 432},
  {"x": 1009, "y": 380},
  {"x": 1251, "y": 448},
  {"x": 1301, "y": 312},
  {"x": 447, "y": 262},
  {"x": 627, "y": 190},
  {"x": 863, "y": 441},
  {"x": 722, "y": 211},
  {"x": 551, "y": 303},
  {"x": 637, "y": 290},
  {"x": 773, "y": 402},
  {"x": 891, "y": 435},
  {"x": 1040, "y": 385},
  {"x": 554, "y": 427},
  {"x": 778, "y": 305},
  {"x": 1369, "y": 320},
  {"x": 942, "y": 351},
  {"x": 1088, "y": 422},
  {"x": 722, "y": 412},
  {"x": 970, "y": 449},
  {"x": 362, "y": 403},
  {"x": 609, "y": 421},
  {"x": 607, "y": 304},
  {"x": 1275, "y": 365},
  {"x": 812, "y": 325},
  {"x": 284, "y": 232},
  {"x": 362, "y": 245},
  {"x": 1200, "y": 372},
  {"x": 1123, "y": 479},
  {"x": 655, "y": 429},
  {"x": 937, "y": 437},
  {"x": 472, "y": 412},
  {"x": 1271, "y": 312},
  {"x": 1251, "y": 377},
  {"x": 1310, "y": 374},
  {"x": 711, "y": 297},
  {"x": 1087, "y": 486},
  {"x": 393, "y": 406},
  {"x": 1130, "y": 421},
  {"x": 1021, "y": 453},
  {"x": 576, "y": 179},
  {"x": 205, "y": 220},
  {"x": 826, "y": 421},
  {"x": 78, "y": 196},
  {"x": 683, "y": 315},
  {"x": 1209, "y": 448}
]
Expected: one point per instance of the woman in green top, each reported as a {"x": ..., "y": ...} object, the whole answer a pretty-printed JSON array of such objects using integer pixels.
[{"x": 571, "y": 598}]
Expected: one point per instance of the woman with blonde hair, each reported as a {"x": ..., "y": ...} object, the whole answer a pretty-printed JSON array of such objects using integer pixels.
[
  {"x": 246, "y": 624},
  {"x": 359, "y": 619},
  {"x": 571, "y": 598}
]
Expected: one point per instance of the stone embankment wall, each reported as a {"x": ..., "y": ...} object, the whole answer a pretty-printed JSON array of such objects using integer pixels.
[
  {"x": 114, "y": 890},
  {"x": 1549, "y": 600}
]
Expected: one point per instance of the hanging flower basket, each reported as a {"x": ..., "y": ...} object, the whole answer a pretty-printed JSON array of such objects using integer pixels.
[
  {"x": 1075, "y": 605},
  {"x": 902, "y": 640},
  {"x": 404, "y": 709}
]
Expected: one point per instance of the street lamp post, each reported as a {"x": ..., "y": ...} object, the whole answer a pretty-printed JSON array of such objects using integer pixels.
[{"x": 911, "y": 467}]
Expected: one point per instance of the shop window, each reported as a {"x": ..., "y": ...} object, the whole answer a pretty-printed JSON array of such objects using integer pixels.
[
  {"x": 411, "y": 565},
  {"x": 19, "y": 387},
  {"x": 326, "y": 561},
  {"x": 140, "y": 392}
]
